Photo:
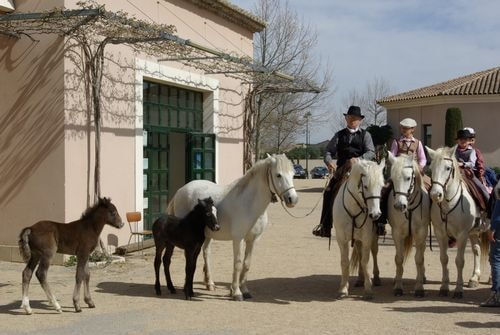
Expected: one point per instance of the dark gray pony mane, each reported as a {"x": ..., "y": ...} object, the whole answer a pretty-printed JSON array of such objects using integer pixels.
[{"x": 89, "y": 212}]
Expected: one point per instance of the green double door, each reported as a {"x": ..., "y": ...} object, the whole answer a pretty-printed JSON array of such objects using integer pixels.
[{"x": 171, "y": 159}]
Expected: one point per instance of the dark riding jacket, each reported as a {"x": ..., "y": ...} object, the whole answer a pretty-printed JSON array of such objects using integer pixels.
[{"x": 347, "y": 144}]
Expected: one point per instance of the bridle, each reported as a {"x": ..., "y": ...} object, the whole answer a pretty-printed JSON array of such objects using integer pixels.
[
  {"x": 363, "y": 208},
  {"x": 274, "y": 190},
  {"x": 444, "y": 216},
  {"x": 411, "y": 190}
]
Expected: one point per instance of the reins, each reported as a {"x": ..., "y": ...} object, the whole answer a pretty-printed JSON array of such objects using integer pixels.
[
  {"x": 444, "y": 216},
  {"x": 280, "y": 196},
  {"x": 362, "y": 209}
]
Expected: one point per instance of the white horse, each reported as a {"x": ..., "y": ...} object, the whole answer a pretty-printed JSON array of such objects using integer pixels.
[
  {"x": 354, "y": 209},
  {"x": 409, "y": 217},
  {"x": 241, "y": 212},
  {"x": 453, "y": 214}
]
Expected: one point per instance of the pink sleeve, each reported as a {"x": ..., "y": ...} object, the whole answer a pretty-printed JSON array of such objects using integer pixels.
[
  {"x": 394, "y": 147},
  {"x": 421, "y": 155}
]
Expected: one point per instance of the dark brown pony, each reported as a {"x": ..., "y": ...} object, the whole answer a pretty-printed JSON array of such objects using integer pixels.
[{"x": 41, "y": 241}]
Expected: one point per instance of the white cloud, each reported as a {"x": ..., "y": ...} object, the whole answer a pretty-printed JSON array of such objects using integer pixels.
[{"x": 409, "y": 43}]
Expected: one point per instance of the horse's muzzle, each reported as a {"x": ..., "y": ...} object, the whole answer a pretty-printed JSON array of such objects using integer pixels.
[{"x": 291, "y": 198}]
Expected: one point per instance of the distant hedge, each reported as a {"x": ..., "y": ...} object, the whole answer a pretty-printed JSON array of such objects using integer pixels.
[{"x": 452, "y": 124}]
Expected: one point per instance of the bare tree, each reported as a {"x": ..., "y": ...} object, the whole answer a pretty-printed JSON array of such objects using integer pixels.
[
  {"x": 286, "y": 45},
  {"x": 375, "y": 114}
]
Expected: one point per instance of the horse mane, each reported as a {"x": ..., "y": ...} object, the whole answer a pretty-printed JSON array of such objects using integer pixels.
[
  {"x": 448, "y": 152},
  {"x": 282, "y": 163},
  {"x": 401, "y": 161},
  {"x": 89, "y": 212}
]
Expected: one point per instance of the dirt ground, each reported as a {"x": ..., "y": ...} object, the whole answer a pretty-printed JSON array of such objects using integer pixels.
[{"x": 294, "y": 280}]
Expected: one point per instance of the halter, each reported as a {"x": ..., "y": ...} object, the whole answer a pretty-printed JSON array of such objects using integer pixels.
[
  {"x": 275, "y": 192},
  {"x": 444, "y": 216},
  {"x": 363, "y": 208},
  {"x": 412, "y": 190}
]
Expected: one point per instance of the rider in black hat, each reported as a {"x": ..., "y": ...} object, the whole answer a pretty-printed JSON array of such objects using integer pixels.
[{"x": 347, "y": 146}]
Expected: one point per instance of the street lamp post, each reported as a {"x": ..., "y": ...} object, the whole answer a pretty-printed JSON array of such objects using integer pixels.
[{"x": 308, "y": 114}]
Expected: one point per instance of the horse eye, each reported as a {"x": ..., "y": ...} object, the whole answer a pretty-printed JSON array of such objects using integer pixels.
[
  {"x": 365, "y": 187},
  {"x": 407, "y": 178},
  {"x": 448, "y": 168},
  {"x": 279, "y": 175}
]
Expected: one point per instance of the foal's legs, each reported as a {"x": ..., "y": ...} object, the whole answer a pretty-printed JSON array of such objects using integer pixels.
[
  {"x": 27, "y": 273},
  {"x": 157, "y": 263},
  {"x": 169, "y": 250},
  {"x": 41, "y": 274},
  {"x": 191, "y": 257},
  {"x": 86, "y": 289},
  {"x": 79, "y": 278},
  {"x": 206, "y": 267}
]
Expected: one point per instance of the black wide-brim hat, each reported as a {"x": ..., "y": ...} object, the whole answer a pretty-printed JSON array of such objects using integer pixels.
[{"x": 355, "y": 111}]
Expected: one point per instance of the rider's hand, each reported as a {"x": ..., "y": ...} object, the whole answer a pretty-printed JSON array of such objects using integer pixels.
[
  {"x": 331, "y": 168},
  {"x": 354, "y": 160},
  {"x": 491, "y": 236}
]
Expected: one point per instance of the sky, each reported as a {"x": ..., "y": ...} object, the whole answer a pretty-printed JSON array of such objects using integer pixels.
[{"x": 407, "y": 43}]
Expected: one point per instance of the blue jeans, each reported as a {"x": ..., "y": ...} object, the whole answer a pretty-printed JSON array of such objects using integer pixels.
[{"x": 495, "y": 263}]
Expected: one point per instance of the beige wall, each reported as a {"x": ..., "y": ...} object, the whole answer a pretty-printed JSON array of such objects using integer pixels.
[
  {"x": 47, "y": 158},
  {"x": 31, "y": 135},
  {"x": 480, "y": 115}
]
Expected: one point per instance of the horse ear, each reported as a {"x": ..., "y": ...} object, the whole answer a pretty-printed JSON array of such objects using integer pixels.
[
  {"x": 452, "y": 151},
  {"x": 391, "y": 157},
  {"x": 431, "y": 152},
  {"x": 268, "y": 155}
]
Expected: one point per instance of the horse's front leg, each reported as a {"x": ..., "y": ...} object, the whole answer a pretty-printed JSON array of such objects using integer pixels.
[
  {"x": 344, "y": 263},
  {"x": 86, "y": 287},
  {"x": 442, "y": 239},
  {"x": 419, "y": 262},
  {"x": 79, "y": 277},
  {"x": 365, "y": 257},
  {"x": 206, "y": 267},
  {"x": 246, "y": 266},
  {"x": 476, "y": 251},
  {"x": 459, "y": 262},
  {"x": 398, "y": 260},
  {"x": 376, "y": 271},
  {"x": 238, "y": 266}
]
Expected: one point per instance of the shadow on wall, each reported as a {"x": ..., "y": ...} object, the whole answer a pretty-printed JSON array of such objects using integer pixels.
[{"x": 33, "y": 126}]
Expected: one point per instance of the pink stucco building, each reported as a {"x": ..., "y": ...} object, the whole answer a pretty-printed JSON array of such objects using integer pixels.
[{"x": 164, "y": 123}]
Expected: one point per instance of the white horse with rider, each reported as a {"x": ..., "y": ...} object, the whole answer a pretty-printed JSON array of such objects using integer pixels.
[
  {"x": 355, "y": 207},
  {"x": 409, "y": 217},
  {"x": 455, "y": 218}
]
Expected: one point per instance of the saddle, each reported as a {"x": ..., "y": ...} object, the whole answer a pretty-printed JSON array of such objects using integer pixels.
[{"x": 473, "y": 186}]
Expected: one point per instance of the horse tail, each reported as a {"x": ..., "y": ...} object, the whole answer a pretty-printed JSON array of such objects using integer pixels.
[
  {"x": 170, "y": 207},
  {"x": 408, "y": 244},
  {"x": 355, "y": 257},
  {"x": 24, "y": 247},
  {"x": 485, "y": 248}
]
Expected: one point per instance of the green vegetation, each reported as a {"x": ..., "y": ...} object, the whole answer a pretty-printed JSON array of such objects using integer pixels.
[{"x": 452, "y": 125}]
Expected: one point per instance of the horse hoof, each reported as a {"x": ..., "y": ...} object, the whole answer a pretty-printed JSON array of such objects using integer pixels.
[
  {"x": 78, "y": 310},
  {"x": 237, "y": 297},
  {"x": 341, "y": 296},
  {"x": 172, "y": 291},
  {"x": 28, "y": 310},
  {"x": 473, "y": 284},
  {"x": 458, "y": 295},
  {"x": 398, "y": 292},
  {"x": 247, "y": 295},
  {"x": 443, "y": 293},
  {"x": 425, "y": 280},
  {"x": 91, "y": 305},
  {"x": 419, "y": 293},
  {"x": 368, "y": 296},
  {"x": 158, "y": 292},
  {"x": 376, "y": 281},
  {"x": 211, "y": 287},
  {"x": 359, "y": 283}
]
